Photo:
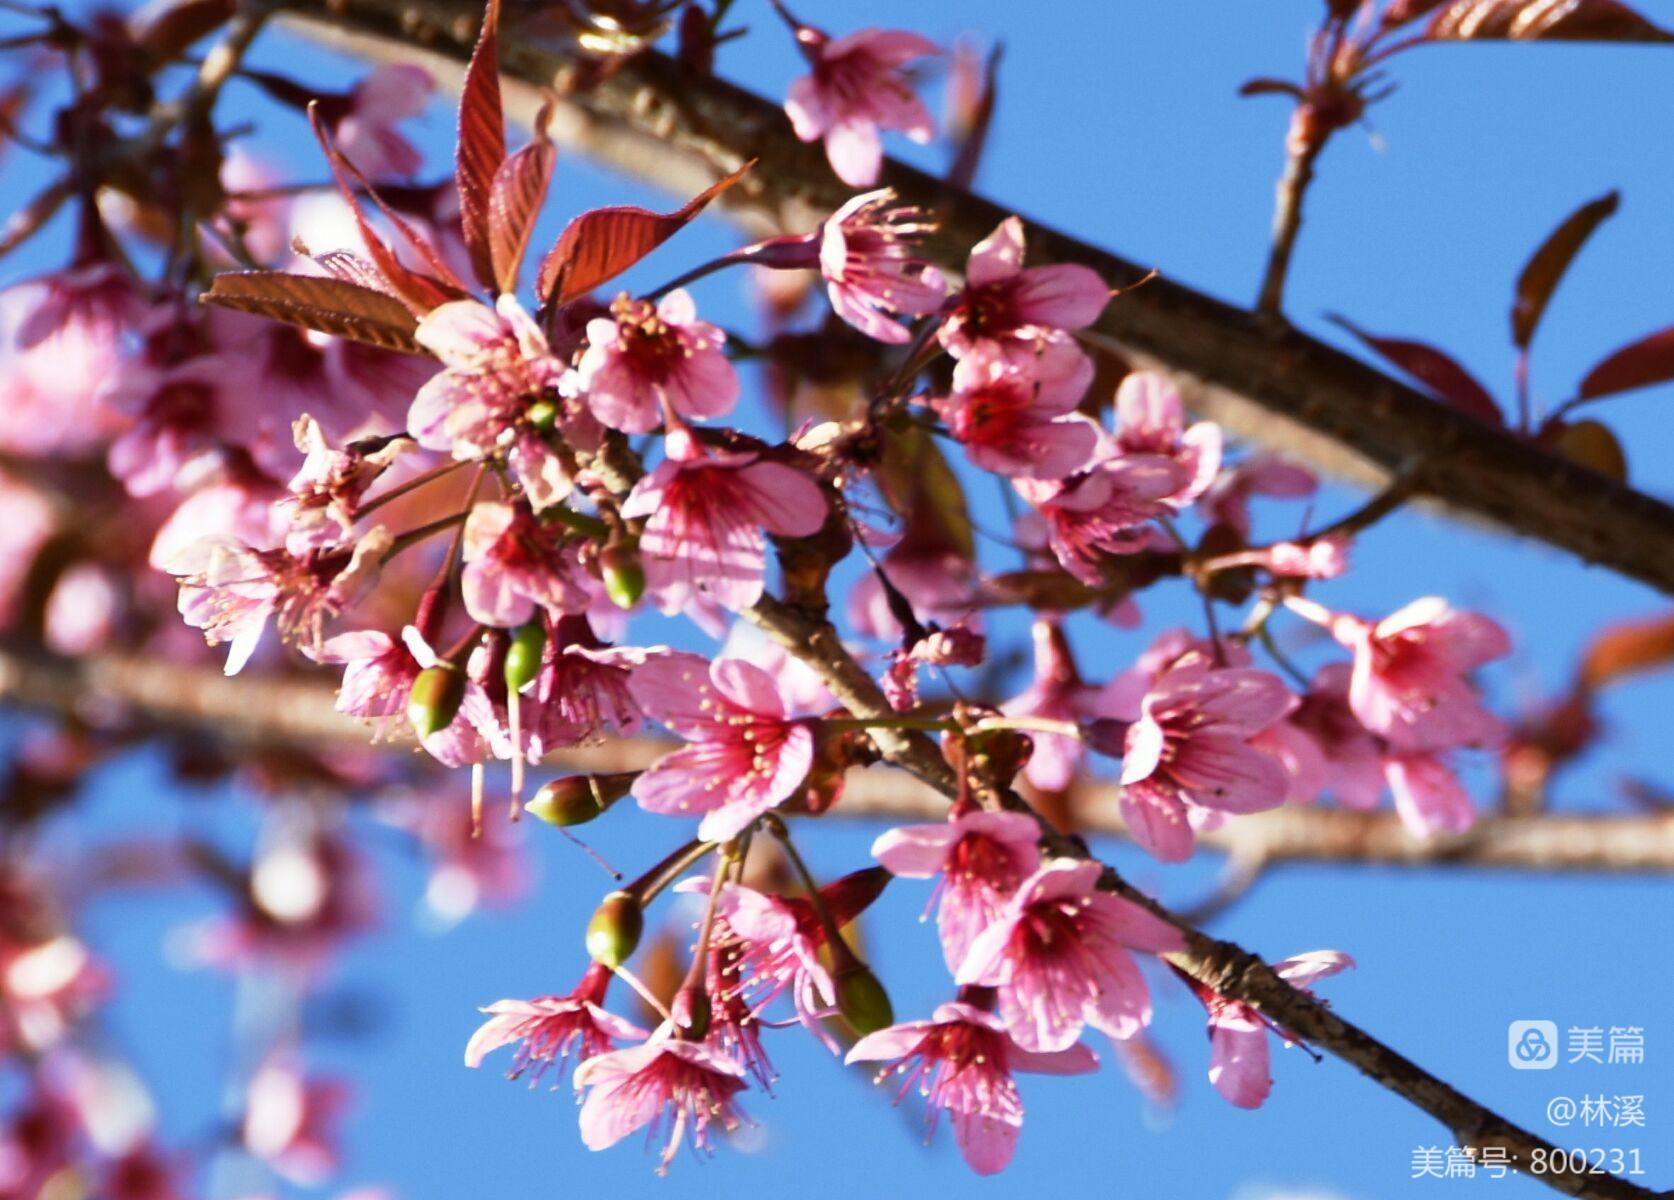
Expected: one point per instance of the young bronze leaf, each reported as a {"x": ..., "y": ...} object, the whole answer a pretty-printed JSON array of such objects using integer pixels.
[
  {"x": 1627, "y": 649},
  {"x": 1531, "y": 20},
  {"x": 1435, "y": 370},
  {"x": 1541, "y": 276},
  {"x": 598, "y": 246},
  {"x": 420, "y": 292},
  {"x": 320, "y": 303},
  {"x": 515, "y": 203},
  {"x": 975, "y": 141},
  {"x": 1636, "y": 365},
  {"x": 482, "y": 144},
  {"x": 1400, "y": 12}
]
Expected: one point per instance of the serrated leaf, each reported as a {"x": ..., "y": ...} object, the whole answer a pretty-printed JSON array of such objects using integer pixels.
[
  {"x": 482, "y": 144},
  {"x": 1638, "y": 364},
  {"x": 420, "y": 292},
  {"x": 320, "y": 303},
  {"x": 515, "y": 203},
  {"x": 1550, "y": 20},
  {"x": 1627, "y": 649},
  {"x": 598, "y": 246},
  {"x": 1546, "y": 268},
  {"x": 1444, "y": 377}
]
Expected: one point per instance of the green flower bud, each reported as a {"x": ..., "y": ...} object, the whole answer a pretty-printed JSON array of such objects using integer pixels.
[
  {"x": 614, "y": 930},
  {"x": 578, "y": 799},
  {"x": 624, "y": 578},
  {"x": 862, "y": 1000},
  {"x": 691, "y": 1011},
  {"x": 435, "y": 699},
  {"x": 543, "y": 415},
  {"x": 523, "y": 655}
]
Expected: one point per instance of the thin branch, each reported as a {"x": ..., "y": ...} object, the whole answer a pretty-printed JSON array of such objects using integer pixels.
[
  {"x": 654, "y": 120},
  {"x": 1287, "y": 223}
]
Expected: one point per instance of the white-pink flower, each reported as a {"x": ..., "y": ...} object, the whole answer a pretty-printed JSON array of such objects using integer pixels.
[
  {"x": 1021, "y": 310},
  {"x": 1018, "y": 417},
  {"x": 962, "y": 1061},
  {"x": 1239, "y": 1060},
  {"x": 550, "y": 1030},
  {"x": 704, "y": 525},
  {"x": 366, "y": 133},
  {"x": 743, "y": 755},
  {"x": 1057, "y": 693},
  {"x": 979, "y": 860},
  {"x": 514, "y": 564},
  {"x": 1104, "y": 511},
  {"x": 1151, "y": 420},
  {"x": 1191, "y": 746},
  {"x": 1429, "y": 798},
  {"x": 690, "y": 1085},
  {"x": 1410, "y": 683},
  {"x": 855, "y": 89},
  {"x": 1060, "y": 958},
  {"x": 866, "y": 254},
  {"x": 643, "y": 363}
]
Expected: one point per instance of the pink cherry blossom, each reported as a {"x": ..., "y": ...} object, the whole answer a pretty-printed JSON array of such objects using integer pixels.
[
  {"x": 581, "y": 691},
  {"x": 772, "y": 948},
  {"x": 1239, "y": 1065},
  {"x": 1151, "y": 420},
  {"x": 979, "y": 860},
  {"x": 743, "y": 755},
  {"x": 1020, "y": 310},
  {"x": 1227, "y": 502},
  {"x": 1105, "y": 511},
  {"x": 867, "y": 256},
  {"x": 1059, "y": 956},
  {"x": 288, "y": 1122},
  {"x": 328, "y": 487},
  {"x": 644, "y": 362},
  {"x": 1057, "y": 693},
  {"x": 704, "y": 521},
  {"x": 1018, "y": 418},
  {"x": 366, "y": 134},
  {"x": 378, "y": 675},
  {"x": 1191, "y": 747},
  {"x": 84, "y": 609},
  {"x": 856, "y": 88},
  {"x": 1410, "y": 680},
  {"x": 514, "y": 564},
  {"x": 1428, "y": 796},
  {"x": 962, "y": 1061},
  {"x": 551, "y": 1030},
  {"x": 180, "y": 409},
  {"x": 230, "y": 591},
  {"x": 497, "y": 364},
  {"x": 691, "y": 1085},
  {"x": 1353, "y": 765}
]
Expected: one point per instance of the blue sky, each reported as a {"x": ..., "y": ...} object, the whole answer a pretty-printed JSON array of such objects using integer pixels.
[{"x": 1120, "y": 122}]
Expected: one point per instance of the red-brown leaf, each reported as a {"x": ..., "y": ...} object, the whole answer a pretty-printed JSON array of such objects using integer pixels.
[
  {"x": 482, "y": 144},
  {"x": 1544, "y": 271},
  {"x": 320, "y": 303},
  {"x": 420, "y": 292},
  {"x": 1554, "y": 20},
  {"x": 1402, "y": 11},
  {"x": 1636, "y": 365},
  {"x": 598, "y": 246},
  {"x": 515, "y": 203},
  {"x": 980, "y": 120},
  {"x": 1627, "y": 649},
  {"x": 1435, "y": 370}
]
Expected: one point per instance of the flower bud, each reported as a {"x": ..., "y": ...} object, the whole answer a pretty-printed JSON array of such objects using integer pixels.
[
  {"x": 862, "y": 999},
  {"x": 614, "y": 930},
  {"x": 624, "y": 578},
  {"x": 543, "y": 415},
  {"x": 691, "y": 1011},
  {"x": 434, "y": 701},
  {"x": 523, "y": 655},
  {"x": 578, "y": 799}
]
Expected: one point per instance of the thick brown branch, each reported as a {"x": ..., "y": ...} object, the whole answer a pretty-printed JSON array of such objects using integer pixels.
[
  {"x": 1272, "y": 384},
  {"x": 132, "y": 691}
]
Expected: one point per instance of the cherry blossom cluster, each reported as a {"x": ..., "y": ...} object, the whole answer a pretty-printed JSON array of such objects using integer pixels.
[{"x": 364, "y": 451}]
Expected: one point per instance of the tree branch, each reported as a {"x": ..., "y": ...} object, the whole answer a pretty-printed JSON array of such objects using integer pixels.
[
  {"x": 161, "y": 697},
  {"x": 1275, "y": 385}
]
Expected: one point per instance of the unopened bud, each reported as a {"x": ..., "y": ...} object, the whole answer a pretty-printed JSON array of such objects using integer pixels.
[
  {"x": 624, "y": 578},
  {"x": 862, "y": 999},
  {"x": 691, "y": 1010},
  {"x": 434, "y": 701},
  {"x": 578, "y": 799},
  {"x": 614, "y": 931},
  {"x": 523, "y": 655},
  {"x": 543, "y": 415}
]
